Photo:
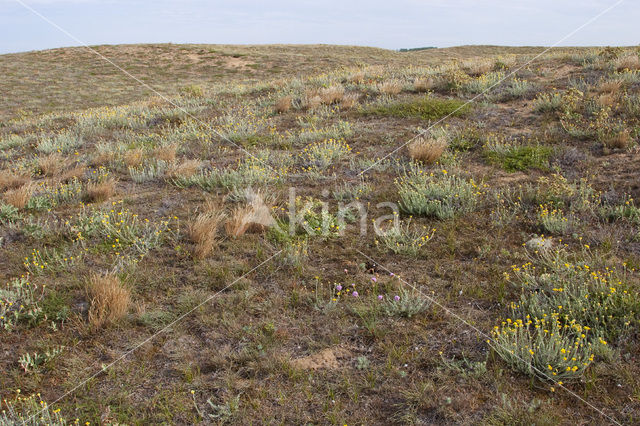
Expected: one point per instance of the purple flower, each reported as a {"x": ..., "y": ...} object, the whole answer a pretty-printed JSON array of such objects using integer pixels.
[
  {"x": 353, "y": 285},
  {"x": 355, "y": 294},
  {"x": 379, "y": 297},
  {"x": 392, "y": 274},
  {"x": 396, "y": 297},
  {"x": 374, "y": 279},
  {"x": 338, "y": 287}
]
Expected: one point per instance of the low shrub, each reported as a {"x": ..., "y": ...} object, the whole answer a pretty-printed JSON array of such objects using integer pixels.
[
  {"x": 553, "y": 221},
  {"x": 19, "y": 301},
  {"x": 545, "y": 347},
  {"x": 407, "y": 303},
  {"x": 403, "y": 239},
  {"x": 439, "y": 194},
  {"x": 599, "y": 300},
  {"x": 323, "y": 154}
]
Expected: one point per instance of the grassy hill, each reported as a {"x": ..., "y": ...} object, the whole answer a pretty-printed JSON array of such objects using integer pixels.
[
  {"x": 69, "y": 79},
  {"x": 320, "y": 234}
]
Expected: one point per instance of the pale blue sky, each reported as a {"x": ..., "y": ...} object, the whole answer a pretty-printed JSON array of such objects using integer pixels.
[{"x": 390, "y": 24}]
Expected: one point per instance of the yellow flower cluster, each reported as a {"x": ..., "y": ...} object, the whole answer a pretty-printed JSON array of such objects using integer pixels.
[
  {"x": 549, "y": 347},
  {"x": 324, "y": 154},
  {"x": 18, "y": 300}
]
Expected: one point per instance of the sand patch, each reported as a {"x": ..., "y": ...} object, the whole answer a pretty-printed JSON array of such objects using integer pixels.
[{"x": 326, "y": 358}]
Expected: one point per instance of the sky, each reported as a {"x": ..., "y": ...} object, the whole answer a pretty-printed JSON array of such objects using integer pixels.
[{"x": 391, "y": 24}]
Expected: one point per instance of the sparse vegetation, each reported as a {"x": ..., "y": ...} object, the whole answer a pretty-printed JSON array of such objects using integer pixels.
[{"x": 268, "y": 183}]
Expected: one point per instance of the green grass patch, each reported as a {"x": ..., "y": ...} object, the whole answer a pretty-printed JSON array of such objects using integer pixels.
[
  {"x": 521, "y": 158},
  {"x": 427, "y": 108}
]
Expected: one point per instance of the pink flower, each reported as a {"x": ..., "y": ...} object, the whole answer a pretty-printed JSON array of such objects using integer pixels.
[
  {"x": 396, "y": 297},
  {"x": 379, "y": 297},
  {"x": 355, "y": 294},
  {"x": 338, "y": 287},
  {"x": 392, "y": 274},
  {"x": 374, "y": 279}
]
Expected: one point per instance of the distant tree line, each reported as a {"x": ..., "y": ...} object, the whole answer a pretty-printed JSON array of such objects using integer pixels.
[{"x": 413, "y": 49}]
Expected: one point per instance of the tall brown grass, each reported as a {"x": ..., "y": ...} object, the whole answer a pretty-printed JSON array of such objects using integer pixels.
[
  {"x": 426, "y": 149},
  {"x": 109, "y": 300},
  {"x": 19, "y": 197},
  {"x": 52, "y": 164},
  {"x": 349, "y": 100},
  {"x": 203, "y": 230},
  {"x": 390, "y": 87},
  {"x": 610, "y": 86},
  {"x": 312, "y": 102},
  {"x": 239, "y": 222},
  {"x": 255, "y": 217},
  {"x": 627, "y": 62},
  {"x": 331, "y": 95},
  {"x": 620, "y": 140},
  {"x": 133, "y": 157},
  {"x": 166, "y": 153},
  {"x": 357, "y": 77},
  {"x": 283, "y": 104},
  {"x": 101, "y": 191},
  {"x": 424, "y": 84},
  {"x": 102, "y": 158},
  {"x": 76, "y": 172},
  {"x": 11, "y": 180},
  {"x": 186, "y": 168},
  {"x": 478, "y": 66}
]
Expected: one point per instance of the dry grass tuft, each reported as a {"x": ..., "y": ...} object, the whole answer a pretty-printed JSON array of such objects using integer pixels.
[
  {"x": 203, "y": 230},
  {"x": 11, "y": 180},
  {"x": 331, "y": 95},
  {"x": 608, "y": 99},
  {"x": 166, "y": 153},
  {"x": 620, "y": 140},
  {"x": 186, "y": 168},
  {"x": 390, "y": 87},
  {"x": 239, "y": 222},
  {"x": 424, "y": 84},
  {"x": 157, "y": 102},
  {"x": 427, "y": 150},
  {"x": 134, "y": 157},
  {"x": 253, "y": 218},
  {"x": 283, "y": 104},
  {"x": 627, "y": 62},
  {"x": 77, "y": 172},
  {"x": 52, "y": 164},
  {"x": 19, "y": 197},
  {"x": 356, "y": 77},
  {"x": 102, "y": 159},
  {"x": 349, "y": 100},
  {"x": 109, "y": 300},
  {"x": 312, "y": 102},
  {"x": 101, "y": 191},
  {"x": 610, "y": 86},
  {"x": 478, "y": 66}
]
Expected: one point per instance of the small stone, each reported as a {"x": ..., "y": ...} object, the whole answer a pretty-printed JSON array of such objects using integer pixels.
[{"x": 539, "y": 244}]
